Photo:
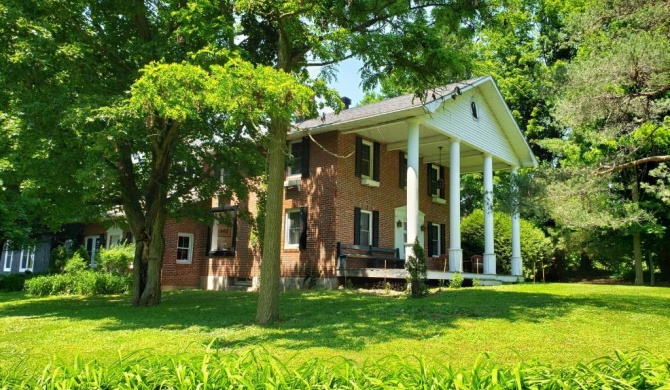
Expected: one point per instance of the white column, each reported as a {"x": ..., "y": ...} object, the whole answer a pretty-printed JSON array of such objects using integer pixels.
[
  {"x": 489, "y": 254},
  {"x": 517, "y": 269},
  {"x": 412, "y": 185},
  {"x": 455, "y": 251}
]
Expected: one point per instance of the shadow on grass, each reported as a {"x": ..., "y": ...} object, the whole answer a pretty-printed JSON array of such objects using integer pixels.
[{"x": 332, "y": 319}]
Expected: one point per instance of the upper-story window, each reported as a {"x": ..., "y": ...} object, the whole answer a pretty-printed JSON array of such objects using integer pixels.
[
  {"x": 367, "y": 161},
  {"x": 298, "y": 161},
  {"x": 436, "y": 182}
]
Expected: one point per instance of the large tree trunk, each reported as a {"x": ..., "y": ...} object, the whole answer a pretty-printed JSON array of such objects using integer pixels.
[{"x": 268, "y": 297}]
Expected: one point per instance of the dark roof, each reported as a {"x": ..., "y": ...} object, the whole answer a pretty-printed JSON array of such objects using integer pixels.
[{"x": 400, "y": 103}]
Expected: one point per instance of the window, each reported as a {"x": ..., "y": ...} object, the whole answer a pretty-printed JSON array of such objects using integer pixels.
[
  {"x": 298, "y": 164},
  {"x": 367, "y": 159},
  {"x": 366, "y": 227},
  {"x": 436, "y": 239},
  {"x": 184, "y": 248},
  {"x": 27, "y": 260},
  {"x": 8, "y": 257},
  {"x": 223, "y": 232},
  {"x": 473, "y": 109},
  {"x": 114, "y": 237},
  {"x": 295, "y": 229},
  {"x": 295, "y": 167},
  {"x": 93, "y": 244},
  {"x": 436, "y": 181}
]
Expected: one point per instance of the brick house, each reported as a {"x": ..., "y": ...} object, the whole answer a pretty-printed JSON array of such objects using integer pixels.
[{"x": 370, "y": 178}]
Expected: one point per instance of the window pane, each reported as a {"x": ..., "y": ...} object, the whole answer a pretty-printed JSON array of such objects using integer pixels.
[
  {"x": 435, "y": 234},
  {"x": 296, "y": 152},
  {"x": 366, "y": 159},
  {"x": 293, "y": 228},
  {"x": 182, "y": 254},
  {"x": 183, "y": 242},
  {"x": 365, "y": 228}
]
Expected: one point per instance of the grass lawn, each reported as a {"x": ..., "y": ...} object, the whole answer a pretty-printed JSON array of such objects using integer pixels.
[{"x": 557, "y": 324}]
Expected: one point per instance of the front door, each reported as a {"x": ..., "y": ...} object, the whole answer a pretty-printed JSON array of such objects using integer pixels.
[
  {"x": 401, "y": 229},
  {"x": 93, "y": 244}
]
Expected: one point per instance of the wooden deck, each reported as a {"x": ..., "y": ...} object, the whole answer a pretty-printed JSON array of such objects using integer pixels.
[{"x": 381, "y": 273}]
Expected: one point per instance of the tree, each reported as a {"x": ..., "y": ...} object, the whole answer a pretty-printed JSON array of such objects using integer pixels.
[
  {"x": 391, "y": 37},
  {"x": 615, "y": 105},
  {"x": 141, "y": 104}
]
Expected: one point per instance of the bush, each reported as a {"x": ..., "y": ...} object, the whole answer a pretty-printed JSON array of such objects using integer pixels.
[
  {"x": 79, "y": 283},
  {"x": 456, "y": 280},
  {"x": 13, "y": 282},
  {"x": 59, "y": 256},
  {"x": 75, "y": 264},
  {"x": 418, "y": 271},
  {"x": 117, "y": 259},
  {"x": 535, "y": 245}
]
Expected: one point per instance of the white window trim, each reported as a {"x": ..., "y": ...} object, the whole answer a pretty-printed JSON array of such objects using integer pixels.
[
  {"x": 372, "y": 160},
  {"x": 293, "y": 175},
  {"x": 94, "y": 250},
  {"x": 31, "y": 260},
  {"x": 190, "y": 248},
  {"x": 287, "y": 230},
  {"x": 114, "y": 231},
  {"x": 9, "y": 255},
  {"x": 438, "y": 247},
  {"x": 369, "y": 213}
]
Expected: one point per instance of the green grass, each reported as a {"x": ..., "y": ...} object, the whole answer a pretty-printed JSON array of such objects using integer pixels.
[{"x": 556, "y": 324}]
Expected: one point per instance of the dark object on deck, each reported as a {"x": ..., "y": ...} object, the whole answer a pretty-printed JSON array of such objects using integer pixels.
[{"x": 375, "y": 257}]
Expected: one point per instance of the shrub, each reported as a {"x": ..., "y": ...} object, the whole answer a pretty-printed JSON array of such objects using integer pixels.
[
  {"x": 79, "y": 283},
  {"x": 456, "y": 280},
  {"x": 117, "y": 259},
  {"x": 535, "y": 245},
  {"x": 59, "y": 256},
  {"x": 418, "y": 271},
  {"x": 75, "y": 264},
  {"x": 13, "y": 282}
]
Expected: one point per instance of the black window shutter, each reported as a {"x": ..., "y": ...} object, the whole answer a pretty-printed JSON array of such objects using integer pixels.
[
  {"x": 129, "y": 237},
  {"x": 357, "y": 225},
  {"x": 303, "y": 228},
  {"x": 305, "y": 157},
  {"x": 233, "y": 245},
  {"x": 429, "y": 179},
  {"x": 402, "y": 169},
  {"x": 429, "y": 227},
  {"x": 359, "y": 156},
  {"x": 444, "y": 188},
  {"x": 443, "y": 243},
  {"x": 376, "y": 159},
  {"x": 375, "y": 228}
]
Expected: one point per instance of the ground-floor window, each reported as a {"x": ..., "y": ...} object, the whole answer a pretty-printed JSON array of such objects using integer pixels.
[
  {"x": 184, "y": 248},
  {"x": 366, "y": 227},
  {"x": 93, "y": 245},
  {"x": 223, "y": 233},
  {"x": 295, "y": 228},
  {"x": 27, "y": 260},
  {"x": 435, "y": 240},
  {"x": 7, "y": 258}
]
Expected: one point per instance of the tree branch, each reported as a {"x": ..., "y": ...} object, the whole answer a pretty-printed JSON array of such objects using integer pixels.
[{"x": 619, "y": 167}]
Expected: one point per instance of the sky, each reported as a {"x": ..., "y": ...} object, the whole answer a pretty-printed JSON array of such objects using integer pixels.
[{"x": 348, "y": 80}]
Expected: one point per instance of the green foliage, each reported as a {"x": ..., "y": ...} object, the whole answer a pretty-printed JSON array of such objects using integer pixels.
[
  {"x": 535, "y": 245},
  {"x": 456, "y": 281},
  {"x": 117, "y": 259},
  {"x": 78, "y": 283},
  {"x": 75, "y": 263},
  {"x": 259, "y": 369},
  {"x": 13, "y": 282},
  {"x": 417, "y": 271},
  {"x": 58, "y": 259}
]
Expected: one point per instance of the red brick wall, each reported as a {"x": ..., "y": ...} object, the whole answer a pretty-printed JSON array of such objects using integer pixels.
[{"x": 183, "y": 275}]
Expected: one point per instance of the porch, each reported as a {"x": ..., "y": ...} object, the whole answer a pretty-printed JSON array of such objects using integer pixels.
[{"x": 437, "y": 275}]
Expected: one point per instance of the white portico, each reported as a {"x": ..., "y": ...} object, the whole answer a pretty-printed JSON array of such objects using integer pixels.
[{"x": 465, "y": 127}]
